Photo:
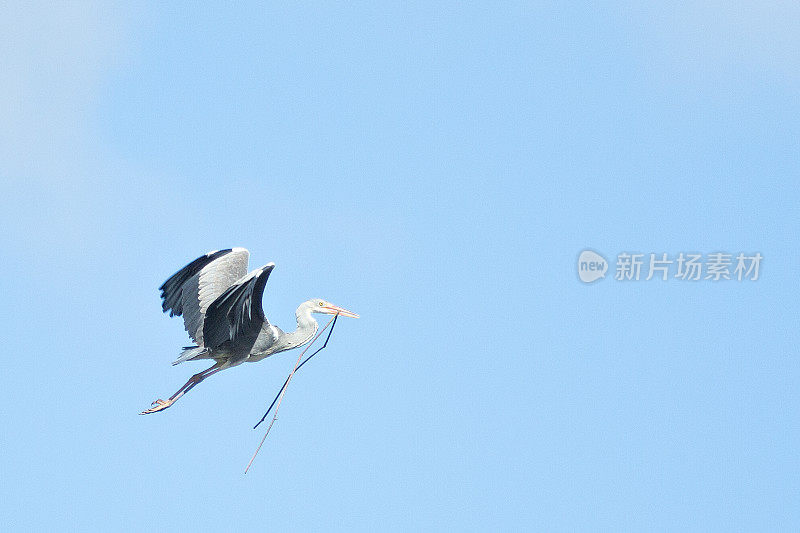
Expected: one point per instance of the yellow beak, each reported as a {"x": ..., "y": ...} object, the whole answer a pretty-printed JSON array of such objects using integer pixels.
[{"x": 334, "y": 309}]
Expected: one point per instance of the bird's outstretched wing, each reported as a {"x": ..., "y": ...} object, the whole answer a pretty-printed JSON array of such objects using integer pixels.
[
  {"x": 236, "y": 315},
  {"x": 192, "y": 289}
]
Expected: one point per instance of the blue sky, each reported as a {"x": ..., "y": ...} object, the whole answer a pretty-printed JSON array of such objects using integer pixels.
[{"x": 437, "y": 168}]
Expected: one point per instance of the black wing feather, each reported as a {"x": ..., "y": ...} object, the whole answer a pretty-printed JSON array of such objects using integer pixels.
[
  {"x": 237, "y": 313},
  {"x": 172, "y": 289}
]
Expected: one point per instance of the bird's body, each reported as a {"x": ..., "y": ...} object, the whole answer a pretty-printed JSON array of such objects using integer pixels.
[
  {"x": 270, "y": 340},
  {"x": 221, "y": 308}
]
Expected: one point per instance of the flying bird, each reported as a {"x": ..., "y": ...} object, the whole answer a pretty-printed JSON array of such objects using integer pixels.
[{"x": 221, "y": 308}]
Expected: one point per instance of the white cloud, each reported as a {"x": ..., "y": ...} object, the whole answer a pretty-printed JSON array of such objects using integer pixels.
[
  {"x": 709, "y": 38},
  {"x": 53, "y": 59}
]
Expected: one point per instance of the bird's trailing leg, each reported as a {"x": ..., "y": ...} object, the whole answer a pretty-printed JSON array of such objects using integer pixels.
[{"x": 160, "y": 405}]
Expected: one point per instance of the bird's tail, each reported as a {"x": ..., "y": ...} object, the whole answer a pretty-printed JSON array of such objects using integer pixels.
[{"x": 189, "y": 353}]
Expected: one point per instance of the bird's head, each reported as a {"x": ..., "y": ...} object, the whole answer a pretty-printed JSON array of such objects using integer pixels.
[{"x": 327, "y": 308}]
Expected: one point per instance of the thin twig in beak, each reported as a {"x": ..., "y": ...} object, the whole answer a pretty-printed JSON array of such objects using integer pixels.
[{"x": 279, "y": 397}]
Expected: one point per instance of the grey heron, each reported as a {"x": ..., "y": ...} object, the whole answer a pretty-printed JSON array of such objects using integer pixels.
[{"x": 221, "y": 308}]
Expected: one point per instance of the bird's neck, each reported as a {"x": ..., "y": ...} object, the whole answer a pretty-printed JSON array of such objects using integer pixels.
[{"x": 306, "y": 328}]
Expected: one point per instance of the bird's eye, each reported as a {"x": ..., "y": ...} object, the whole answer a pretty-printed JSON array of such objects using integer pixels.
[{"x": 321, "y": 304}]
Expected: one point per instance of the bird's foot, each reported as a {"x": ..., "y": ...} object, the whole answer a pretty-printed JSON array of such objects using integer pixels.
[{"x": 156, "y": 406}]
